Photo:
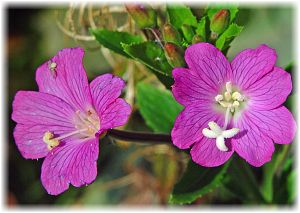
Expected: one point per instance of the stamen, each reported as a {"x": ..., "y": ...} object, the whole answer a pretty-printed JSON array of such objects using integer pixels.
[
  {"x": 71, "y": 134},
  {"x": 227, "y": 117},
  {"x": 236, "y": 95},
  {"x": 88, "y": 121},
  {"x": 50, "y": 141},
  {"x": 219, "y": 98},
  {"x": 227, "y": 96},
  {"x": 236, "y": 104},
  {"x": 228, "y": 87}
]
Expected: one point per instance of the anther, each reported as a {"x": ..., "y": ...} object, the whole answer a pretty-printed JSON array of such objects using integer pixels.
[
  {"x": 219, "y": 98},
  {"x": 227, "y": 96},
  {"x": 50, "y": 141},
  {"x": 237, "y": 96}
]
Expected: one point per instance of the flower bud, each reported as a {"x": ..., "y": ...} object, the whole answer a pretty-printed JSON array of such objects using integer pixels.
[
  {"x": 188, "y": 32},
  {"x": 144, "y": 16},
  {"x": 197, "y": 38},
  {"x": 174, "y": 55},
  {"x": 170, "y": 34},
  {"x": 220, "y": 21}
]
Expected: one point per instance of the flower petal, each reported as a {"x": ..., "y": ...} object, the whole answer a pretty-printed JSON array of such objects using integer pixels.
[
  {"x": 74, "y": 163},
  {"x": 278, "y": 124},
  {"x": 189, "y": 88},
  {"x": 271, "y": 90},
  {"x": 67, "y": 79},
  {"x": 190, "y": 122},
  {"x": 36, "y": 113},
  {"x": 105, "y": 89},
  {"x": 209, "y": 64},
  {"x": 251, "y": 65},
  {"x": 116, "y": 114},
  {"x": 251, "y": 143},
  {"x": 206, "y": 153}
]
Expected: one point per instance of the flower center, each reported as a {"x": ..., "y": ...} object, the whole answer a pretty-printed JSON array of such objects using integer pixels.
[
  {"x": 231, "y": 100},
  {"x": 86, "y": 124}
]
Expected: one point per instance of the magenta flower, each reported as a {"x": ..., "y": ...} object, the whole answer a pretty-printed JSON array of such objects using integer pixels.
[
  {"x": 64, "y": 120},
  {"x": 232, "y": 107}
]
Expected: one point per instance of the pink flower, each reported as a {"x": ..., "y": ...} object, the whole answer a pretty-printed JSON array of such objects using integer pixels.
[
  {"x": 64, "y": 120},
  {"x": 233, "y": 106}
]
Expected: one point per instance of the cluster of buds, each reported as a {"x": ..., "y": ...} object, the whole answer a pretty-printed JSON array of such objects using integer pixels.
[{"x": 174, "y": 40}]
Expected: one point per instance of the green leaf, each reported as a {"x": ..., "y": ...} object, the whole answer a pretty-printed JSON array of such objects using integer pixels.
[
  {"x": 242, "y": 182},
  {"x": 230, "y": 33},
  {"x": 150, "y": 54},
  {"x": 113, "y": 39},
  {"x": 181, "y": 14},
  {"x": 213, "y": 9},
  {"x": 292, "y": 186},
  {"x": 201, "y": 27},
  {"x": 158, "y": 107},
  {"x": 290, "y": 67},
  {"x": 284, "y": 183},
  {"x": 196, "y": 182}
]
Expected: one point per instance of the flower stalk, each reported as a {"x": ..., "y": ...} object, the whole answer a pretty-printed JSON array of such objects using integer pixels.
[{"x": 141, "y": 137}]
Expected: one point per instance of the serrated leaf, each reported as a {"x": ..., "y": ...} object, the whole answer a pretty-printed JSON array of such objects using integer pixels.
[
  {"x": 113, "y": 39},
  {"x": 158, "y": 107},
  {"x": 181, "y": 14},
  {"x": 213, "y": 9},
  {"x": 150, "y": 54},
  {"x": 196, "y": 182},
  {"x": 230, "y": 33}
]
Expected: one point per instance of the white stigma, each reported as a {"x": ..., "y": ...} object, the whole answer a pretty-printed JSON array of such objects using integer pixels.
[{"x": 219, "y": 134}]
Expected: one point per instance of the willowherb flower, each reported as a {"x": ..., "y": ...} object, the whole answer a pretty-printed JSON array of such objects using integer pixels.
[
  {"x": 64, "y": 120},
  {"x": 231, "y": 107}
]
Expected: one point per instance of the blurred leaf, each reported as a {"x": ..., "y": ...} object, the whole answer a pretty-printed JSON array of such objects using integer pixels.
[
  {"x": 201, "y": 27},
  {"x": 165, "y": 168},
  {"x": 290, "y": 102},
  {"x": 181, "y": 14},
  {"x": 158, "y": 107},
  {"x": 152, "y": 55},
  {"x": 213, "y": 9},
  {"x": 241, "y": 182},
  {"x": 196, "y": 182},
  {"x": 284, "y": 187},
  {"x": 113, "y": 39},
  {"x": 230, "y": 33},
  {"x": 272, "y": 168},
  {"x": 291, "y": 186},
  {"x": 290, "y": 67}
]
